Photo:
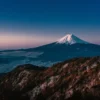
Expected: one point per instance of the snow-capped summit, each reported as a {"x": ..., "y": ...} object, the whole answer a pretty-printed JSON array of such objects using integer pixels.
[{"x": 71, "y": 39}]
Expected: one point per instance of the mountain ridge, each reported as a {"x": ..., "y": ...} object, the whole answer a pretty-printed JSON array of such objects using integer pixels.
[{"x": 75, "y": 79}]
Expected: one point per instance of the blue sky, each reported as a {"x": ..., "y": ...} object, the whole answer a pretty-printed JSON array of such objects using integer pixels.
[{"x": 37, "y": 22}]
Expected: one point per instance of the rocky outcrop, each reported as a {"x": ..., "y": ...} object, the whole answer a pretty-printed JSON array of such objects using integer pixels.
[{"x": 75, "y": 79}]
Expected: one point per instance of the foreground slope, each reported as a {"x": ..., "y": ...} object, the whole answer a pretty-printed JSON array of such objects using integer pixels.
[{"x": 76, "y": 79}]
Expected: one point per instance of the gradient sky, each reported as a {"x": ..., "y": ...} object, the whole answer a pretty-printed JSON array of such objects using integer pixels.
[{"x": 30, "y": 23}]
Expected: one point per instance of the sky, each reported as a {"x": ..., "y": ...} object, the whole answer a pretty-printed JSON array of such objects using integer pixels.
[{"x": 31, "y": 23}]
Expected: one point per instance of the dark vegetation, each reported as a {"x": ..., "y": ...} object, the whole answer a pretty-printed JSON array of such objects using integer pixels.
[{"x": 75, "y": 79}]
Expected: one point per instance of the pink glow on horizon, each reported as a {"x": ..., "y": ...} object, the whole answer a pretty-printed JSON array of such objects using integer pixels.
[
  {"x": 16, "y": 41},
  {"x": 19, "y": 40}
]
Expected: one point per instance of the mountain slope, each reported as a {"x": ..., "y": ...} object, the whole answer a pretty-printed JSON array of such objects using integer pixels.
[{"x": 75, "y": 79}]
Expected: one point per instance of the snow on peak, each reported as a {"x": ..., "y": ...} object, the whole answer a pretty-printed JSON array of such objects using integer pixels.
[{"x": 71, "y": 39}]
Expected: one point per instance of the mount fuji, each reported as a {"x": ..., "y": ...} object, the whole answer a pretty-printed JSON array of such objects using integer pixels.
[
  {"x": 65, "y": 48},
  {"x": 71, "y": 39}
]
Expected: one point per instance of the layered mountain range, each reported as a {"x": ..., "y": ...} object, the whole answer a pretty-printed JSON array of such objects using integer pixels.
[
  {"x": 67, "y": 47},
  {"x": 62, "y": 70}
]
